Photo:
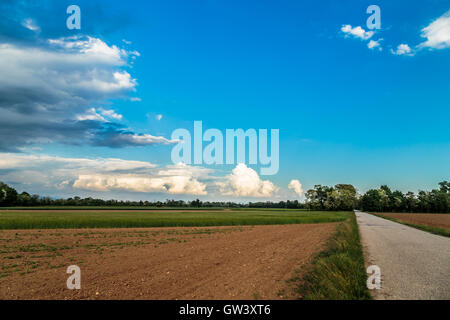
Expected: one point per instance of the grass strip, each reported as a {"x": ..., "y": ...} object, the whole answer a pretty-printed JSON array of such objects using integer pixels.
[
  {"x": 438, "y": 231},
  {"x": 136, "y": 219},
  {"x": 338, "y": 272}
]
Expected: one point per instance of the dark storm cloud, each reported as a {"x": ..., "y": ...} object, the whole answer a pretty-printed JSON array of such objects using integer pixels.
[
  {"x": 14, "y": 135},
  {"x": 50, "y": 77},
  {"x": 114, "y": 136}
]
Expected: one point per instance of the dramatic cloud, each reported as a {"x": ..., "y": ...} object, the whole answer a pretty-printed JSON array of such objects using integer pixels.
[
  {"x": 30, "y": 162},
  {"x": 102, "y": 175},
  {"x": 47, "y": 93},
  {"x": 91, "y": 114},
  {"x": 357, "y": 32},
  {"x": 402, "y": 49},
  {"x": 245, "y": 182},
  {"x": 296, "y": 186},
  {"x": 437, "y": 33},
  {"x": 121, "y": 138}
]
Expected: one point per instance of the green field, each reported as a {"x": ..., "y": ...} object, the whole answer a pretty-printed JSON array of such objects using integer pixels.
[
  {"x": 97, "y": 218},
  {"x": 132, "y": 208}
]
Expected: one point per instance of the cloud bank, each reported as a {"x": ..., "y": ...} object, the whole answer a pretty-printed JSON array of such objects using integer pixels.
[
  {"x": 105, "y": 175},
  {"x": 102, "y": 174},
  {"x": 47, "y": 94}
]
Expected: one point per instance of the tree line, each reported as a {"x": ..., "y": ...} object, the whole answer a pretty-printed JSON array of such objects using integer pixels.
[
  {"x": 9, "y": 197},
  {"x": 339, "y": 197},
  {"x": 383, "y": 199}
]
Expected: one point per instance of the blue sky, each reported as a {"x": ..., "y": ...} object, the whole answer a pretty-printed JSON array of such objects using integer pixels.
[{"x": 346, "y": 113}]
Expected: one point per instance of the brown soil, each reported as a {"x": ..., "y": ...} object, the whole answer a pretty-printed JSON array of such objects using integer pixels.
[
  {"x": 428, "y": 219},
  {"x": 249, "y": 262}
]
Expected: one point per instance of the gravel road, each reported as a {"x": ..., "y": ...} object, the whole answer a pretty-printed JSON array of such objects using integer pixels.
[{"x": 414, "y": 264}]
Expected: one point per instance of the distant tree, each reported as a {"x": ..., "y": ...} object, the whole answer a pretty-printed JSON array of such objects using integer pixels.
[
  {"x": 3, "y": 194},
  {"x": 398, "y": 201},
  {"x": 24, "y": 199},
  {"x": 346, "y": 196},
  {"x": 8, "y": 195},
  {"x": 196, "y": 203},
  {"x": 410, "y": 202},
  {"x": 371, "y": 201},
  {"x": 444, "y": 187},
  {"x": 424, "y": 201},
  {"x": 317, "y": 197},
  {"x": 292, "y": 204},
  {"x": 339, "y": 197},
  {"x": 384, "y": 200}
]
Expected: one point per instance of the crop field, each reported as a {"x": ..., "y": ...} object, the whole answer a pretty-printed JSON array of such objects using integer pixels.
[
  {"x": 431, "y": 222},
  {"x": 160, "y": 254},
  {"x": 99, "y": 218}
]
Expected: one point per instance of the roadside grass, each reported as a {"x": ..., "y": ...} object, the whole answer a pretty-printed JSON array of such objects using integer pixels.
[
  {"x": 438, "y": 231},
  {"x": 135, "y": 219},
  {"x": 338, "y": 272}
]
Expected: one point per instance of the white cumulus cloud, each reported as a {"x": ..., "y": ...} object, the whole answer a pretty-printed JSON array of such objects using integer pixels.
[
  {"x": 245, "y": 182},
  {"x": 357, "y": 32},
  {"x": 374, "y": 44},
  {"x": 138, "y": 183},
  {"x": 402, "y": 49},
  {"x": 296, "y": 186}
]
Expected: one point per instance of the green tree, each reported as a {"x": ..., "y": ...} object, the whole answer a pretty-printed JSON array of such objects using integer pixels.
[
  {"x": 317, "y": 197},
  {"x": 8, "y": 195},
  {"x": 346, "y": 196},
  {"x": 196, "y": 203},
  {"x": 371, "y": 201},
  {"x": 410, "y": 202}
]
